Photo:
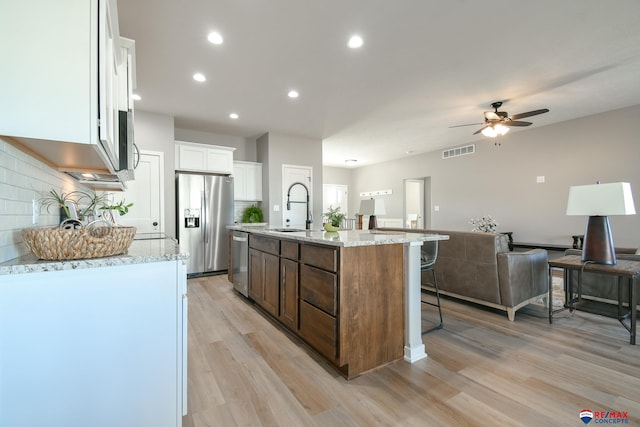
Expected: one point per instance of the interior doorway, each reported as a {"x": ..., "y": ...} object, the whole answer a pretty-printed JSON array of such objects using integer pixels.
[
  {"x": 336, "y": 196},
  {"x": 417, "y": 203}
]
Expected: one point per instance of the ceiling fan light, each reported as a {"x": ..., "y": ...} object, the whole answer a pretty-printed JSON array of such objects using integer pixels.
[
  {"x": 490, "y": 132},
  {"x": 501, "y": 129}
]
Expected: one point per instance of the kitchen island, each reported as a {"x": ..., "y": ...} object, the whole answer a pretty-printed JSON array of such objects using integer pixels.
[
  {"x": 353, "y": 296},
  {"x": 98, "y": 342}
]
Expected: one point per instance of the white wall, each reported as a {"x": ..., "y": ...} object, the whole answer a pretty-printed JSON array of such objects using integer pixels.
[
  {"x": 501, "y": 180},
  {"x": 245, "y": 148},
  {"x": 23, "y": 179},
  {"x": 275, "y": 150}
]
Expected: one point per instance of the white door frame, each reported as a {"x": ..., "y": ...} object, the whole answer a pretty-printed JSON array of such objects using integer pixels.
[
  {"x": 423, "y": 203},
  {"x": 285, "y": 187}
]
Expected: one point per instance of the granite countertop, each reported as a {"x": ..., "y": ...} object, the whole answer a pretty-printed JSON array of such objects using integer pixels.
[
  {"x": 140, "y": 252},
  {"x": 346, "y": 238}
]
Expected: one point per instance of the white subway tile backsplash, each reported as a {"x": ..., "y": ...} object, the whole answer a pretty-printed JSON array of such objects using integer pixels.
[{"x": 22, "y": 179}]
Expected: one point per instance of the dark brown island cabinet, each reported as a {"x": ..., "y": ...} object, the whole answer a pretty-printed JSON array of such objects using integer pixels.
[{"x": 345, "y": 302}]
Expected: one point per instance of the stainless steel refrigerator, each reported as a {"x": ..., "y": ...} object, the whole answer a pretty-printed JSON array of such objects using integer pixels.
[{"x": 204, "y": 210}]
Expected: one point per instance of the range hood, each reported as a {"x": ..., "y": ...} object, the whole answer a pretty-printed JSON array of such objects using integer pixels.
[{"x": 98, "y": 181}]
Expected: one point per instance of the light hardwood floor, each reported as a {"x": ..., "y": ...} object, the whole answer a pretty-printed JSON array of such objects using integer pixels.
[{"x": 481, "y": 370}]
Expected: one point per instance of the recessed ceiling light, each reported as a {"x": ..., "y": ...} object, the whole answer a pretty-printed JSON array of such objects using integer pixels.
[
  {"x": 351, "y": 161},
  {"x": 293, "y": 94},
  {"x": 199, "y": 77},
  {"x": 136, "y": 97},
  {"x": 355, "y": 42},
  {"x": 409, "y": 152},
  {"x": 215, "y": 37},
  {"x": 233, "y": 116}
]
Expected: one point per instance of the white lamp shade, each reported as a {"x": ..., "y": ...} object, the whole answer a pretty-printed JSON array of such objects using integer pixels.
[
  {"x": 372, "y": 207},
  {"x": 601, "y": 200}
]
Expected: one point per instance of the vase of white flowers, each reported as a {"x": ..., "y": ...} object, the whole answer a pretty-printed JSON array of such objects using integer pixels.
[{"x": 486, "y": 224}]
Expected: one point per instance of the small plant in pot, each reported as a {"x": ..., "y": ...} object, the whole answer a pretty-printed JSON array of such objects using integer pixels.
[
  {"x": 62, "y": 202},
  {"x": 334, "y": 219},
  {"x": 121, "y": 208},
  {"x": 252, "y": 214}
]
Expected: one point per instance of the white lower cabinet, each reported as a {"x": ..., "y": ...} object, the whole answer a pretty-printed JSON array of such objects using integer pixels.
[{"x": 98, "y": 347}]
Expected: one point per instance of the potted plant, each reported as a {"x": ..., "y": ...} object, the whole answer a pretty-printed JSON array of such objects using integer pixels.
[
  {"x": 88, "y": 202},
  {"x": 79, "y": 205},
  {"x": 63, "y": 202},
  {"x": 334, "y": 219},
  {"x": 252, "y": 214},
  {"x": 121, "y": 207}
]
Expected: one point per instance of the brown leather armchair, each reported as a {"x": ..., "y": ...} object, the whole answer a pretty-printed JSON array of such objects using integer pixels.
[{"x": 523, "y": 277}]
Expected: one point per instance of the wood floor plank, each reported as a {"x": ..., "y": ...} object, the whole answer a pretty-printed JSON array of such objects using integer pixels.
[{"x": 481, "y": 369}]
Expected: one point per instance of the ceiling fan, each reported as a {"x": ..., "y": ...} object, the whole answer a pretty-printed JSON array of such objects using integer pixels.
[{"x": 497, "y": 123}]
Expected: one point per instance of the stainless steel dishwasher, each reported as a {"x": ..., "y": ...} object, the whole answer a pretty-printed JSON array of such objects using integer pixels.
[{"x": 241, "y": 262}]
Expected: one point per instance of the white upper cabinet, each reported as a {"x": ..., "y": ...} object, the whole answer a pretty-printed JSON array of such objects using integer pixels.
[
  {"x": 247, "y": 181},
  {"x": 204, "y": 158},
  {"x": 60, "y": 77}
]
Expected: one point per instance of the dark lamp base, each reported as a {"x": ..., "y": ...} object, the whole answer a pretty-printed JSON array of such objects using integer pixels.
[
  {"x": 373, "y": 223},
  {"x": 598, "y": 242}
]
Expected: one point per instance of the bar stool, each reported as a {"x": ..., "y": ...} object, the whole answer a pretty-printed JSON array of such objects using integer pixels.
[{"x": 428, "y": 256}]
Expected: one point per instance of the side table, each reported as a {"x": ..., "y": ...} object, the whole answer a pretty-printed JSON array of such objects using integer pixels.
[{"x": 624, "y": 269}]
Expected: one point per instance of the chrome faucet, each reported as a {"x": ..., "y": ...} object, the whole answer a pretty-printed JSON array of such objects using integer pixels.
[{"x": 308, "y": 220}]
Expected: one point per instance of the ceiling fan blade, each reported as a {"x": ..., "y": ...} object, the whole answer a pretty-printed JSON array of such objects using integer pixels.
[
  {"x": 481, "y": 129},
  {"x": 490, "y": 115},
  {"x": 512, "y": 123},
  {"x": 529, "y": 114},
  {"x": 469, "y": 124}
]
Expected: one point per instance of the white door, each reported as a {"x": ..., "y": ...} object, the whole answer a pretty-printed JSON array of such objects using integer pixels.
[
  {"x": 146, "y": 193},
  {"x": 294, "y": 213},
  {"x": 336, "y": 195}
]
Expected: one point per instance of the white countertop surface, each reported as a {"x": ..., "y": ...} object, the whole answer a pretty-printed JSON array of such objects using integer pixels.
[
  {"x": 140, "y": 252},
  {"x": 347, "y": 238}
]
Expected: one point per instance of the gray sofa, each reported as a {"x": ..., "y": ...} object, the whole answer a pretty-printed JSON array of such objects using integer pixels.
[
  {"x": 603, "y": 287},
  {"x": 479, "y": 267}
]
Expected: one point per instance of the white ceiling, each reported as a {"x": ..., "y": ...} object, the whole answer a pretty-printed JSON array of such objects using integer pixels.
[{"x": 425, "y": 65}]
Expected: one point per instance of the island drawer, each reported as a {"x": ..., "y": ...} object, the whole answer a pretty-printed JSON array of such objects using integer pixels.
[
  {"x": 264, "y": 244},
  {"x": 319, "y": 288},
  {"x": 324, "y": 257},
  {"x": 289, "y": 249},
  {"x": 319, "y": 330}
]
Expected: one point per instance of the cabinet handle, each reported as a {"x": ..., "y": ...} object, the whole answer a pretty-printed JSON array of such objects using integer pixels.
[{"x": 284, "y": 282}]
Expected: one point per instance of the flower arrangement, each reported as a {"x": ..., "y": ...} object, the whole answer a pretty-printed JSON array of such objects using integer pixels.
[{"x": 486, "y": 224}]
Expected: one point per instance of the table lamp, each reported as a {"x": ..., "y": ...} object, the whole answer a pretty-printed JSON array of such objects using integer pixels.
[
  {"x": 372, "y": 207},
  {"x": 598, "y": 201}
]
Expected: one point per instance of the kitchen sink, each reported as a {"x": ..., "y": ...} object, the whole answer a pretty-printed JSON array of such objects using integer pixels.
[{"x": 288, "y": 230}]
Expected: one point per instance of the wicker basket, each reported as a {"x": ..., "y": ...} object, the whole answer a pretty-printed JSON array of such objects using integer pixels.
[{"x": 58, "y": 243}]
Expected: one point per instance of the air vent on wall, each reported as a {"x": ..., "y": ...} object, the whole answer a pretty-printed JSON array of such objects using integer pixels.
[{"x": 459, "y": 151}]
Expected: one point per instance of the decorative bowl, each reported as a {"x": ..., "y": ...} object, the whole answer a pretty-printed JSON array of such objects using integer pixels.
[{"x": 328, "y": 227}]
